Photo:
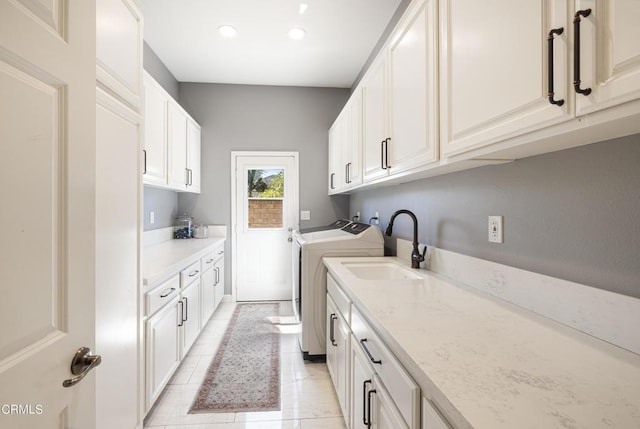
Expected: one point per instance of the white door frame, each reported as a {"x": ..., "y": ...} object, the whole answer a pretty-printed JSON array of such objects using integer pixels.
[{"x": 295, "y": 200}]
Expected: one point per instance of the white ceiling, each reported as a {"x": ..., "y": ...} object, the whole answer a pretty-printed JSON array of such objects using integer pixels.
[{"x": 340, "y": 35}]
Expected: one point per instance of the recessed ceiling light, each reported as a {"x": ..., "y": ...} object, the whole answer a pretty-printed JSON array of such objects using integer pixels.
[
  {"x": 227, "y": 31},
  {"x": 303, "y": 8},
  {"x": 297, "y": 33}
]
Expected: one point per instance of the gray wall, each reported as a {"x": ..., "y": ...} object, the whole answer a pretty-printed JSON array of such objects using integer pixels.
[
  {"x": 262, "y": 118},
  {"x": 573, "y": 214},
  {"x": 268, "y": 118},
  {"x": 163, "y": 203}
]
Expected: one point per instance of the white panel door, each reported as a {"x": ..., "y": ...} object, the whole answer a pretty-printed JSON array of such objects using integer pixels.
[
  {"x": 266, "y": 208},
  {"x": 494, "y": 70},
  {"x": 609, "y": 53},
  {"x": 155, "y": 133},
  {"x": 47, "y": 186},
  {"x": 193, "y": 156},
  {"x": 117, "y": 298}
]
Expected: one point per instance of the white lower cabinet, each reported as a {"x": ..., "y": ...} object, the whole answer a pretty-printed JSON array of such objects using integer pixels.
[
  {"x": 219, "y": 278},
  {"x": 190, "y": 316},
  {"x": 211, "y": 283},
  {"x": 338, "y": 354},
  {"x": 431, "y": 418},
  {"x": 373, "y": 388},
  {"x": 162, "y": 349}
]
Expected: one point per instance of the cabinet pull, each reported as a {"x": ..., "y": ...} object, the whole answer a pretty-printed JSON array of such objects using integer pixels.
[
  {"x": 181, "y": 323},
  {"x": 194, "y": 273},
  {"x": 209, "y": 261},
  {"x": 190, "y": 177},
  {"x": 386, "y": 153},
  {"x": 168, "y": 292},
  {"x": 346, "y": 173},
  {"x": 186, "y": 177},
  {"x": 364, "y": 404},
  {"x": 332, "y": 331},
  {"x": 366, "y": 350},
  {"x": 217, "y": 275},
  {"x": 576, "y": 51},
  {"x": 144, "y": 166},
  {"x": 382, "y": 155},
  {"x": 551, "y": 94},
  {"x": 369, "y": 395},
  {"x": 331, "y": 180},
  {"x": 186, "y": 309}
]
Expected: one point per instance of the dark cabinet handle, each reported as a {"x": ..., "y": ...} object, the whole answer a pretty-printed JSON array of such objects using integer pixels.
[
  {"x": 382, "y": 155},
  {"x": 168, "y": 292},
  {"x": 332, "y": 176},
  {"x": 366, "y": 350},
  {"x": 346, "y": 173},
  {"x": 369, "y": 395},
  {"x": 366, "y": 422},
  {"x": 186, "y": 309},
  {"x": 217, "y": 276},
  {"x": 181, "y": 313},
  {"x": 332, "y": 329},
  {"x": 386, "y": 153},
  {"x": 144, "y": 167},
  {"x": 349, "y": 173},
  {"x": 551, "y": 94},
  {"x": 576, "y": 51}
]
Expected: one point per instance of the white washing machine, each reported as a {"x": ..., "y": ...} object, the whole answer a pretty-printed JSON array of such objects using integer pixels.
[{"x": 341, "y": 238}]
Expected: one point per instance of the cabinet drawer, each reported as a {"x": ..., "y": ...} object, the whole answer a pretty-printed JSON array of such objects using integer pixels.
[
  {"x": 209, "y": 260},
  {"x": 162, "y": 295},
  {"x": 404, "y": 391},
  {"x": 189, "y": 274},
  {"x": 340, "y": 298}
]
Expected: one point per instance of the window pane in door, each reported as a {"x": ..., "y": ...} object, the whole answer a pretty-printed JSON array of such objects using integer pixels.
[{"x": 265, "y": 194}]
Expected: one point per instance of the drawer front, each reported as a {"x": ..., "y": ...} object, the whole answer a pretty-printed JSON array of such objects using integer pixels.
[
  {"x": 404, "y": 391},
  {"x": 208, "y": 261},
  {"x": 190, "y": 274},
  {"x": 162, "y": 295},
  {"x": 340, "y": 298}
]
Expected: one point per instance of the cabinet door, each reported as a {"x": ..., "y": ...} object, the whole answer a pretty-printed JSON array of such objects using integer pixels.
[
  {"x": 193, "y": 156},
  {"x": 177, "y": 120},
  {"x": 431, "y": 418},
  {"x": 609, "y": 54},
  {"x": 163, "y": 354},
  {"x": 119, "y": 49},
  {"x": 352, "y": 146},
  {"x": 360, "y": 382},
  {"x": 342, "y": 335},
  {"x": 493, "y": 70},
  {"x": 413, "y": 89},
  {"x": 385, "y": 413},
  {"x": 191, "y": 316},
  {"x": 335, "y": 156},
  {"x": 207, "y": 295},
  {"x": 219, "y": 285},
  {"x": 332, "y": 346},
  {"x": 155, "y": 133},
  {"x": 374, "y": 123}
]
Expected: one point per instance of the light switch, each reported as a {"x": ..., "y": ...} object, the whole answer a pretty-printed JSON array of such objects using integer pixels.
[
  {"x": 152, "y": 217},
  {"x": 305, "y": 215}
]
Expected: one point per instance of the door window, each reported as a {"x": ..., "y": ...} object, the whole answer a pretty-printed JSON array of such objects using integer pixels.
[{"x": 265, "y": 195}]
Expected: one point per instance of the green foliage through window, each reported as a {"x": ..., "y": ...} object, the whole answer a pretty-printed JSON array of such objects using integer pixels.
[{"x": 266, "y": 183}]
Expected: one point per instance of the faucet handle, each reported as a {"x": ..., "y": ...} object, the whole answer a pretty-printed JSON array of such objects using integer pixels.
[{"x": 424, "y": 252}]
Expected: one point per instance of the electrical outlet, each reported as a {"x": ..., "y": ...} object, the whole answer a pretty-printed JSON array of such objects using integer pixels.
[
  {"x": 152, "y": 217},
  {"x": 495, "y": 229},
  {"x": 305, "y": 215}
]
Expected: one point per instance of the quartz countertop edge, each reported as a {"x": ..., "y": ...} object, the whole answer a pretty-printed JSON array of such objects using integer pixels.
[
  {"x": 168, "y": 258},
  {"x": 489, "y": 364}
]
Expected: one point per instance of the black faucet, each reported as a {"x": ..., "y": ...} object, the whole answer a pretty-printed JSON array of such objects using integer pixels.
[{"x": 416, "y": 257}]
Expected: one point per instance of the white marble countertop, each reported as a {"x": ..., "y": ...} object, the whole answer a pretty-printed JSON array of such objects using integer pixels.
[
  {"x": 165, "y": 259},
  {"x": 489, "y": 364}
]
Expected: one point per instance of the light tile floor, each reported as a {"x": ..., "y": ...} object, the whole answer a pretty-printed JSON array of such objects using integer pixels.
[{"x": 308, "y": 400}]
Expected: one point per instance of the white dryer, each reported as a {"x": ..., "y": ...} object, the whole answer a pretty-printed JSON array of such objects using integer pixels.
[{"x": 341, "y": 238}]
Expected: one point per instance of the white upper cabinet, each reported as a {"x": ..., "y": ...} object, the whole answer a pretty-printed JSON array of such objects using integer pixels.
[
  {"x": 609, "y": 53},
  {"x": 413, "y": 101},
  {"x": 352, "y": 146},
  {"x": 494, "y": 70},
  {"x": 193, "y": 156},
  {"x": 178, "y": 173},
  {"x": 400, "y": 128},
  {"x": 172, "y": 142},
  {"x": 119, "y": 49},
  {"x": 335, "y": 156},
  {"x": 155, "y": 133}
]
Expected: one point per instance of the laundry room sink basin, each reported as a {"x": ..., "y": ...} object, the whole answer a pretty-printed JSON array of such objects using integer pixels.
[{"x": 380, "y": 271}]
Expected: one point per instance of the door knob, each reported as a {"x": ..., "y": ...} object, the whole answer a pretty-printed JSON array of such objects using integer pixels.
[{"x": 83, "y": 362}]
